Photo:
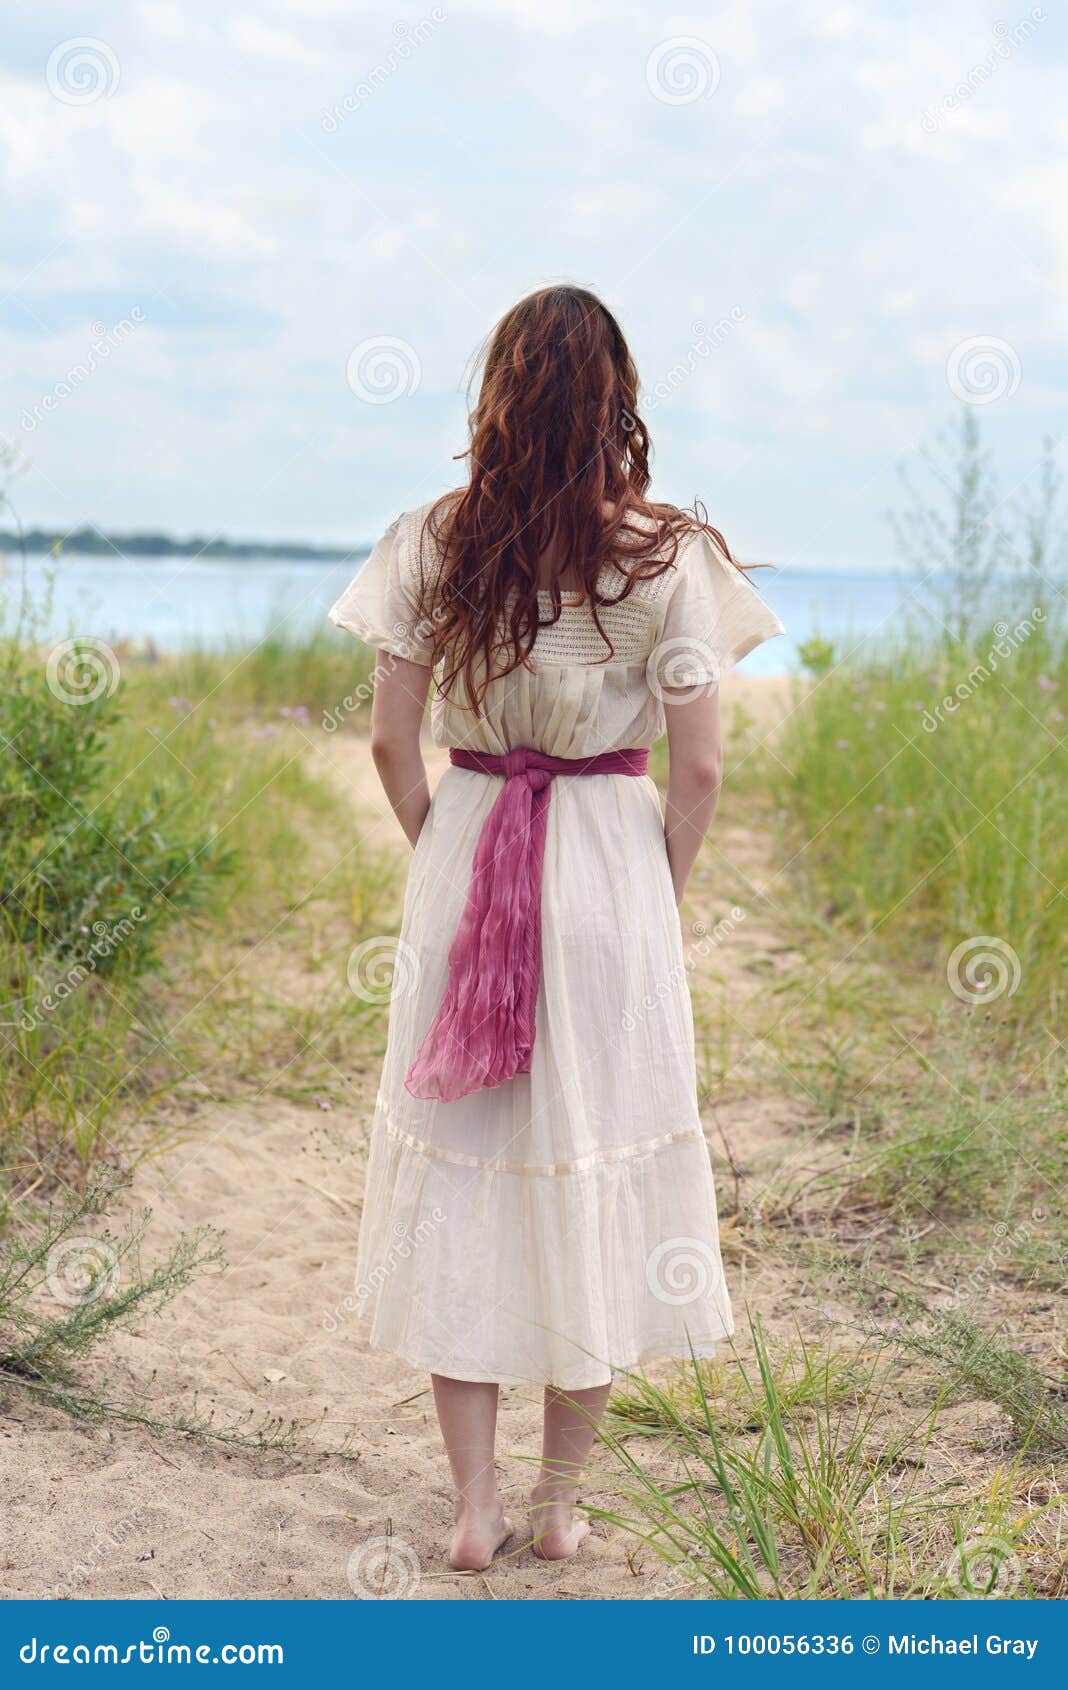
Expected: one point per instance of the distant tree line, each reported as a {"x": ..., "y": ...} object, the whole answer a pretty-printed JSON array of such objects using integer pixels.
[{"x": 92, "y": 542}]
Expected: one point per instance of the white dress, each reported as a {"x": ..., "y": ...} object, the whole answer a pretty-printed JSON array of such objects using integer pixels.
[{"x": 561, "y": 1226}]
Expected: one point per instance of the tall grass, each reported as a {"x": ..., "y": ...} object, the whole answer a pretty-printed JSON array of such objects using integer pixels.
[
  {"x": 945, "y": 1130},
  {"x": 812, "y": 1485},
  {"x": 324, "y": 676},
  {"x": 924, "y": 784},
  {"x": 934, "y": 825},
  {"x": 155, "y": 833}
]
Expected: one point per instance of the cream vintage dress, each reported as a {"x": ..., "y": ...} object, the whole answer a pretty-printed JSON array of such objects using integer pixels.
[{"x": 561, "y": 1226}]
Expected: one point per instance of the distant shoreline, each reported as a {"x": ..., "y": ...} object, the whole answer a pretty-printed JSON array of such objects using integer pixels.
[{"x": 90, "y": 542}]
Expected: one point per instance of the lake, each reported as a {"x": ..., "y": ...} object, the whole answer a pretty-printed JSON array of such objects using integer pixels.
[{"x": 185, "y": 602}]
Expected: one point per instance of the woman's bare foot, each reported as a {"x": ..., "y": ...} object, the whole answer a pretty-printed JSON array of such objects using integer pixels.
[
  {"x": 557, "y": 1533},
  {"x": 477, "y": 1538}
]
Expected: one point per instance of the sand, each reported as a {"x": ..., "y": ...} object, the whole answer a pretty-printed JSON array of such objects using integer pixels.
[{"x": 364, "y": 1509}]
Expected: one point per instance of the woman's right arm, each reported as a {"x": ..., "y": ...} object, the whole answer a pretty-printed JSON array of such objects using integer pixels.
[
  {"x": 397, "y": 713},
  {"x": 695, "y": 773}
]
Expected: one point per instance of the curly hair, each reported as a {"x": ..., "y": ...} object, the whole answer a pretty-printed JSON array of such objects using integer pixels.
[{"x": 559, "y": 471}]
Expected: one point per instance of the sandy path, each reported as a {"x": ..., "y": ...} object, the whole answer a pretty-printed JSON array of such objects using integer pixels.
[{"x": 119, "y": 1512}]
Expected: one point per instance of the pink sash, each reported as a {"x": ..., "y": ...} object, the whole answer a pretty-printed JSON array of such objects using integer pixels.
[{"x": 483, "y": 1033}]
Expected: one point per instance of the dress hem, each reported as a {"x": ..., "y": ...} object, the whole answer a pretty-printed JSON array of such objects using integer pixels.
[{"x": 703, "y": 1349}]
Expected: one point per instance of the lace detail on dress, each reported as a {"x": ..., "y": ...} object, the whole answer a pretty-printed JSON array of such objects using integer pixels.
[
  {"x": 572, "y": 640},
  {"x": 631, "y": 625},
  {"x": 572, "y": 697}
]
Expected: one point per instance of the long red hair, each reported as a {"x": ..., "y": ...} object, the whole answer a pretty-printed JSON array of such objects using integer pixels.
[{"x": 559, "y": 470}]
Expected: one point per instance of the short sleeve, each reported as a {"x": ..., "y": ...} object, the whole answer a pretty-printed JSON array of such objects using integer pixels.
[
  {"x": 380, "y": 605},
  {"x": 713, "y": 617}
]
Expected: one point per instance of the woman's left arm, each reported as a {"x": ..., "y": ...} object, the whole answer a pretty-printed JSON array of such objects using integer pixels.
[
  {"x": 695, "y": 771},
  {"x": 397, "y": 713}
]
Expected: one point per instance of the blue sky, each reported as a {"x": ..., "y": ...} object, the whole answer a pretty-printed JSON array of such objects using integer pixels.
[{"x": 802, "y": 213}]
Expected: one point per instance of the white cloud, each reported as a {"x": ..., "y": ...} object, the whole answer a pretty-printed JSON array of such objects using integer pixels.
[
  {"x": 164, "y": 17},
  {"x": 250, "y": 35},
  {"x": 760, "y": 96},
  {"x": 515, "y": 144}
]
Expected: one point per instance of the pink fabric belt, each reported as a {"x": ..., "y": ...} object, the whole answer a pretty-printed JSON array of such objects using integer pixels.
[{"x": 483, "y": 1033}]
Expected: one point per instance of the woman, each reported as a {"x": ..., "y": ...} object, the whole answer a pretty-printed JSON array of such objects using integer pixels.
[{"x": 539, "y": 1205}]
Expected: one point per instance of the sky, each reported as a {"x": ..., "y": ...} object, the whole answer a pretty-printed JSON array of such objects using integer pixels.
[{"x": 250, "y": 252}]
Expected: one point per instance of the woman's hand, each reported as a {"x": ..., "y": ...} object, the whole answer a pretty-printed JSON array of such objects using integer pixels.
[{"x": 396, "y": 721}]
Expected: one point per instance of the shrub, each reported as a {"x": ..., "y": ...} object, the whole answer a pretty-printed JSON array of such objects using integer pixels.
[{"x": 84, "y": 872}]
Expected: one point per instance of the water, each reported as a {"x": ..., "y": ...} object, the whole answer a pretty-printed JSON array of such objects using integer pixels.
[{"x": 180, "y": 603}]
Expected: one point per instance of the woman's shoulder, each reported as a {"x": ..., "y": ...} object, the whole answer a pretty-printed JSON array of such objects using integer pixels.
[
  {"x": 664, "y": 539},
  {"x": 665, "y": 531},
  {"x": 418, "y": 530},
  {"x": 411, "y": 540},
  {"x": 410, "y": 522}
]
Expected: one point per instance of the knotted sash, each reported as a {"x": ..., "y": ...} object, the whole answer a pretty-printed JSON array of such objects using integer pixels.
[{"x": 483, "y": 1033}]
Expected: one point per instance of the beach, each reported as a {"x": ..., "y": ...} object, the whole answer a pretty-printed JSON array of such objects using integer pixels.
[
  {"x": 314, "y": 1469},
  {"x": 114, "y": 1511}
]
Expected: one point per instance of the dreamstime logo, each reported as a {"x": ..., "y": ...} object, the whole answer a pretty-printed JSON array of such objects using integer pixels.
[
  {"x": 982, "y": 969},
  {"x": 707, "y": 939},
  {"x": 106, "y": 339},
  {"x": 982, "y": 370},
  {"x": 409, "y": 37},
  {"x": 675, "y": 1580},
  {"x": 1009, "y": 1241},
  {"x": 159, "y": 1651},
  {"x": 681, "y": 663},
  {"x": 382, "y": 369},
  {"x": 383, "y": 1569},
  {"x": 705, "y": 342},
  {"x": 106, "y": 940},
  {"x": 381, "y": 969},
  {"x": 409, "y": 637},
  {"x": 352, "y": 701},
  {"x": 985, "y": 1567},
  {"x": 402, "y": 1246},
  {"x": 681, "y": 1270},
  {"x": 81, "y": 670},
  {"x": 82, "y": 70},
  {"x": 1007, "y": 640},
  {"x": 1006, "y": 39},
  {"x": 101, "y": 1548},
  {"x": 81, "y": 1271},
  {"x": 681, "y": 70}
]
